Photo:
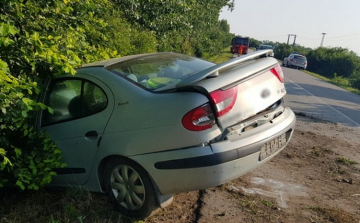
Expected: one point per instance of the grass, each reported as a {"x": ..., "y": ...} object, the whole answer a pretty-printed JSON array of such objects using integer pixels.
[
  {"x": 346, "y": 161},
  {"x": 58, "y": 205},
  {"x": 224, "y": 56},
  {"x": 323, "y": 214}
]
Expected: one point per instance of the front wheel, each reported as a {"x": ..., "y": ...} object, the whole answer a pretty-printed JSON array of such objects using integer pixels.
[{"x": 129, "y": 188}]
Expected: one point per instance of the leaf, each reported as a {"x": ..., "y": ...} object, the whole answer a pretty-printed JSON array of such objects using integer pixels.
[
  {"x": 18, "y": 152},
  {"x": 20, "y": 184},
  {"x": 27, "y": 101}
]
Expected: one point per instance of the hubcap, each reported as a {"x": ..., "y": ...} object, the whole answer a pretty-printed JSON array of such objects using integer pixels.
[{"x": 127, "y": 187}]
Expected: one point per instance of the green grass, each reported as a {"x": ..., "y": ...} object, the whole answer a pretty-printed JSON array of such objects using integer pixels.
[
  {"x": 224, "y": 56},
  {"x": 346, "y": 161}
]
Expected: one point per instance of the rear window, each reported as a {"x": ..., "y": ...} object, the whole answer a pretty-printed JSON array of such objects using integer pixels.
[
  {"x": 299, "y": 57},
  {"x": 159, "y": 70},
  {"x": 263, "y": 47}
]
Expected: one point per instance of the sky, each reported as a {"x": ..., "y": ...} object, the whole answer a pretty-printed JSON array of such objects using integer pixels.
[{"x": 307, "y": 19}]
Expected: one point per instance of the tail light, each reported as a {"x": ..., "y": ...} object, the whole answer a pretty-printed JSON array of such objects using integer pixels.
[
  {"x": 277, "y": 71},
  {"x": 199, "y": 119},
  {"x": 224, "y": 100}
]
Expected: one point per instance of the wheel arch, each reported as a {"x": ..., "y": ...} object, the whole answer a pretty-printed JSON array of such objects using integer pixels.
[{"x": 163, "y": 200}]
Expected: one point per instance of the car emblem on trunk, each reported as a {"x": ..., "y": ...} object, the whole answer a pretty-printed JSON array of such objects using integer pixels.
[{"x": 265, "y": 93}]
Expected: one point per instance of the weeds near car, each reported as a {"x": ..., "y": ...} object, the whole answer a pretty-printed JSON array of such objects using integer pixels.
[
  {"x": 323, "y": 214},
  {"x": 346, "y": 161},
  {"x": 57, "y": 205}
]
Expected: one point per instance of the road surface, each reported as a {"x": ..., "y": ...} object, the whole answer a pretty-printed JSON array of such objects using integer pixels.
[{"x": 316, "y": 98}]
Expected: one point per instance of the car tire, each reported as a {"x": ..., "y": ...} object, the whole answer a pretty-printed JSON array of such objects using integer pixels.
[{"x": 129, "y": 188}]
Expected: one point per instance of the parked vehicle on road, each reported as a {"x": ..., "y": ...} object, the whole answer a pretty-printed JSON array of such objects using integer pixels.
[
  {"x": 296, "y": 60},
  {"x": 141, "y": 128},
  {"x": 265, "y": 47},
  {"x": 237, "y": 41}
]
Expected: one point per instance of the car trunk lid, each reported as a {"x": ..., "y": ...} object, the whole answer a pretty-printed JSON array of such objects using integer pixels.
[{"x": 240, "y": 88}]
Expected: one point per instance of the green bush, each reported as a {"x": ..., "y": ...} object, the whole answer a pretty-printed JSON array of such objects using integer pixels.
[{"x": 39, "y": 40}]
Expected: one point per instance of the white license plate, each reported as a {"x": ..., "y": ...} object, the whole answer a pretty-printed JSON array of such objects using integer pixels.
[{"x": 272, "y": 146}]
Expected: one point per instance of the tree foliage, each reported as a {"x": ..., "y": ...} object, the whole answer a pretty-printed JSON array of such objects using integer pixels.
[
  {"x": 186, "y": 26},
  {"x": 40, "y": 39}
]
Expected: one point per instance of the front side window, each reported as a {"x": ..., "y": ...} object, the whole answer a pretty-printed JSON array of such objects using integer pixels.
[{"x": 71, "y": 99}]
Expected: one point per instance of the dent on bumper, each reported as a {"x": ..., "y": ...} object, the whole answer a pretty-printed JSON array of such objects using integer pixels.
[{"x": 200, "y": 168}]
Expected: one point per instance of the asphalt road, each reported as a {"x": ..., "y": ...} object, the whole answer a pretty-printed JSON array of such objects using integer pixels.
[{"x": 313, "y": 97}]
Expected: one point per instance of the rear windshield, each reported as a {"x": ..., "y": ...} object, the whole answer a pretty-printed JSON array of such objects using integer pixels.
[
  {"x": 299, "y": 57},
  {"x": 263, "y": 47},
  {"x": 159, "y": 70}
]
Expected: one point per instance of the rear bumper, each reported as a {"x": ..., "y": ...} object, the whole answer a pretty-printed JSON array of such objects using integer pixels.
[{"x": 211, "y": 165}]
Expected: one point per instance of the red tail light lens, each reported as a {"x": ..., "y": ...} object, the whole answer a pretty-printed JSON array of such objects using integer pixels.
[
  {"x": 277, "y": 71},
  {"x": 199, "y": 119},
  {"x": 224, "y": 100}
]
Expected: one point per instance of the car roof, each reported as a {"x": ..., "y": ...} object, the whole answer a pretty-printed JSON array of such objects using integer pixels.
[{"x": 104, "y": 63}]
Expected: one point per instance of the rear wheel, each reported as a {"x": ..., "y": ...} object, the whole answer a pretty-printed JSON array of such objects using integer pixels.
[{"x": 129, "y": 188}]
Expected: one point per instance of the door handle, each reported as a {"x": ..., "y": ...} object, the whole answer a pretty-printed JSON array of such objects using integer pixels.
[{"x": 91, "y": 134}]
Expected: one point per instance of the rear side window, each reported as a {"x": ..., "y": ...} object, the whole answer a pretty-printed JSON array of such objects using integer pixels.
[{"x": 72, "y": 99}]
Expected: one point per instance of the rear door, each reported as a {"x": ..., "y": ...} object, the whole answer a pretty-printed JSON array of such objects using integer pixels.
[{"x": 82, "y": 107}]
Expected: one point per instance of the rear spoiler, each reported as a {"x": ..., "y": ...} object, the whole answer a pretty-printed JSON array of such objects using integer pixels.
[{"x": 214, "y": 70}]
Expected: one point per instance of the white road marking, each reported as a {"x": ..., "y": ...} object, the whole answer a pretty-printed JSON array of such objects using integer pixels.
[{"x": 358, "y": 125}]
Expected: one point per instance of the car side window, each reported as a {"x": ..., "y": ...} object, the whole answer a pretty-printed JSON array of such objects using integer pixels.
[{"x": 72, "y": 99}]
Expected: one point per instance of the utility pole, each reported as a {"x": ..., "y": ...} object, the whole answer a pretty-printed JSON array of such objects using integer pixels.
[
  {"x": 322, "y": 39},
  {"x": 288, "y": 38},
  {"x": 288, "y": 43},
  {"x": 294, "y": 39}
]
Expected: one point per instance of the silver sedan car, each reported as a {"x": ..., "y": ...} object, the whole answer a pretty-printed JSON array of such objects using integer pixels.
[
  {"x": 295, "y": 60},
  {"x": 141, "y": 128}
]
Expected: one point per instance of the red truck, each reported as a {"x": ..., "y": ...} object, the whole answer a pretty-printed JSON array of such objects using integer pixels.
[{"x": 237, "y": 41}]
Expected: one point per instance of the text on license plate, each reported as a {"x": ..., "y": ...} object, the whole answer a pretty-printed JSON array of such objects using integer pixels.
[{"x": 271, "y": 147}]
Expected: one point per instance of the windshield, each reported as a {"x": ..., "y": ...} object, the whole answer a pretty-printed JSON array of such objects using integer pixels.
[
  {"x": 159, "y": 70},
  {"x": 244, "y": 41}
]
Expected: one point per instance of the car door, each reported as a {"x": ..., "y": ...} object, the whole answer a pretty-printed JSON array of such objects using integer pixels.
[{"x": 82, "y": 106}]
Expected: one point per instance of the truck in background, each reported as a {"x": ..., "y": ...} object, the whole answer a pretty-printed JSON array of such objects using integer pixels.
[{"x": 237, "y": 41}]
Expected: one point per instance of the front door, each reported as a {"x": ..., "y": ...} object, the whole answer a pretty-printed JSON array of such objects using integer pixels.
[{"x": 82, "y": 106}]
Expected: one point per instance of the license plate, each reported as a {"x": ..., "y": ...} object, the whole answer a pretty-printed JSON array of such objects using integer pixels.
[{"x": 272, "y": 146}]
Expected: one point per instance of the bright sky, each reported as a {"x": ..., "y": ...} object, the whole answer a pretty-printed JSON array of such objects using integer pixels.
[{"x": 274, "y": 19}]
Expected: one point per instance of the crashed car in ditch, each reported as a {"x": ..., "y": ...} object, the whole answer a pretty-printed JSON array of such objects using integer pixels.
[{"x": 144, "y": 127}]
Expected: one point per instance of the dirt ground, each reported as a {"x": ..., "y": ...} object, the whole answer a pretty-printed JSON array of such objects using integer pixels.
[{"x": 315, "y": 179}]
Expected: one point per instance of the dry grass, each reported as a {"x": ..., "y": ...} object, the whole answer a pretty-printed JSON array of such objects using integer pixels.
[
  {"x": 323, "y": 214},
  {"x": 57, "y": 205}
]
